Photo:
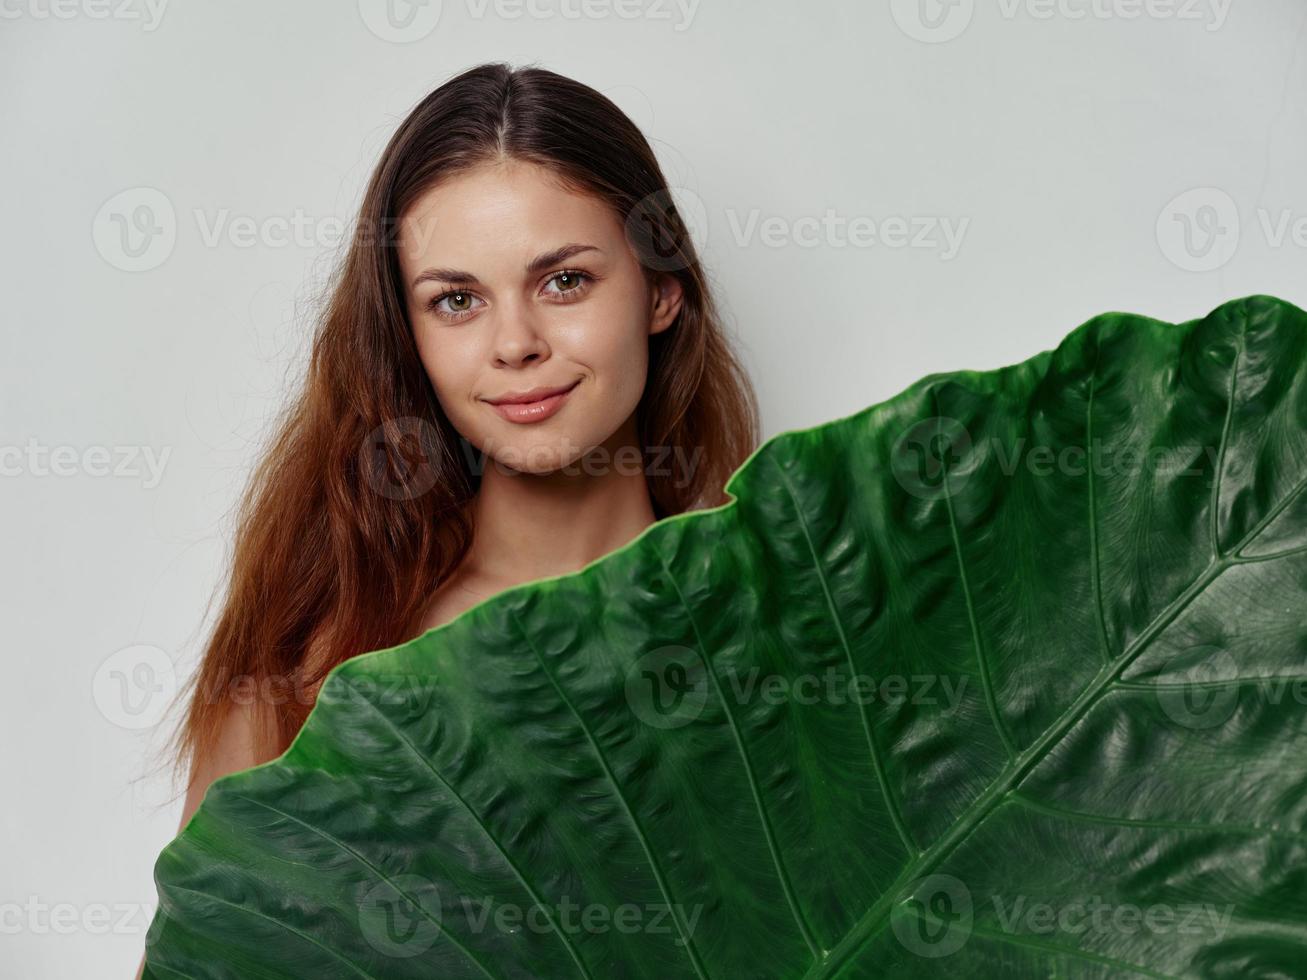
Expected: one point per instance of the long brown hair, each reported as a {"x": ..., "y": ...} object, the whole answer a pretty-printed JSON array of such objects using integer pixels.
[{"x": 357, "y": 511}]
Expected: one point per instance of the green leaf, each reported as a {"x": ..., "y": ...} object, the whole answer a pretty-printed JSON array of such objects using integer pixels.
[{"x": 1003, "y": 677}]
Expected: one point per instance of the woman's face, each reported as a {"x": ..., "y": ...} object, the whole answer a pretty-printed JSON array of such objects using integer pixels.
[{"x": 515, "y": 284}]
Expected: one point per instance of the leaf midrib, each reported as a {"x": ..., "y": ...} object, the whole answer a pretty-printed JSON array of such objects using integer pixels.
[
  {"x": 1020, "y": 766},
  {"x": 1011, "y": 775}
]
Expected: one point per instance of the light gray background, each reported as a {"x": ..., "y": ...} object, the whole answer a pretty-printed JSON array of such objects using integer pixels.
[{"x": 1071, "y": 144}]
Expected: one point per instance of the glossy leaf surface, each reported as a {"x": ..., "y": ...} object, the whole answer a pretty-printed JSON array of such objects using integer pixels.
[{"x": 1004, "y": 677}]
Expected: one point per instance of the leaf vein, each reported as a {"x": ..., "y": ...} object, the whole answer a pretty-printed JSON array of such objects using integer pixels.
[
  {"x": 1083, "y": 816},
  {"x": 275, "y": 921},
  {"x": 476, "y": 818},
  {"x": 982, "y": 662},
  {"x": 654, "y": 865},
  {"x": 878, "y": 764},
  {"x": 786, "y": 884}
]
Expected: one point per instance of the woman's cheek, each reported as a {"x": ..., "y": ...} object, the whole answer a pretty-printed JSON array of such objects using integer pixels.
[
  {"x": 615, "y": 344},
  {"x": 452, "y": 387},
  {"x": 634, "y": 359}
]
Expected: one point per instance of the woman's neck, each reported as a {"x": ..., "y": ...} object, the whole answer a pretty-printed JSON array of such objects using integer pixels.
[{"x": 529, "y": 526}]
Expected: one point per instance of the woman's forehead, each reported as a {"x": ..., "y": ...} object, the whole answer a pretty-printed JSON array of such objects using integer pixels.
[{"x": 501, "y": 218}]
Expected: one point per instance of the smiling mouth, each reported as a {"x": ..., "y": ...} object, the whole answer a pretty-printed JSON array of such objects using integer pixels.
[{"x": 535, "y": 405}]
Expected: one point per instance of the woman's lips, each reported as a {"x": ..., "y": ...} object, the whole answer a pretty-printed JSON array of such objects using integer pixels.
[{"x": 536, "y": 411}]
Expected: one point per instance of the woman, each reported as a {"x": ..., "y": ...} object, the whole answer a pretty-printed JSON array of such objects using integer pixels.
[{"x": 520, "y": 368}]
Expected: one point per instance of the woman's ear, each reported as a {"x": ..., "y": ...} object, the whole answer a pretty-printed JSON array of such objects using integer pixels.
[{"x": 667, "y": 298}]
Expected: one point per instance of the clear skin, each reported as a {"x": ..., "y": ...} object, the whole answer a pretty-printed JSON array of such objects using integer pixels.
[
  {"x": 543, "y": 509},
  {"x": 547, "y": 505}
]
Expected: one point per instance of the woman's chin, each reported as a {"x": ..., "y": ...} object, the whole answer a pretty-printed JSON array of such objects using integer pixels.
[{"x": 538, "y": 459}]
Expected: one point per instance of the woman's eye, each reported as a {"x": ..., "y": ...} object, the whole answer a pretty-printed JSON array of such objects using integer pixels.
[
  {"x": 569, "y": 282},
  {"x": 459, "y": 303}
]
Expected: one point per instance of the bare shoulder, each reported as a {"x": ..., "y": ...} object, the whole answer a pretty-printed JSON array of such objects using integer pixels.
[
  {"x": 238, "y": 745},
  {"x": 237, "y": 748}
]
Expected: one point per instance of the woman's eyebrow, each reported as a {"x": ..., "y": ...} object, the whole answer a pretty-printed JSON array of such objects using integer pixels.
[{"x": 539, "y": 264}]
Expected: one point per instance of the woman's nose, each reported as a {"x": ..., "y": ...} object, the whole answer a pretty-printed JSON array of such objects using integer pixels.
[{"x": 519, "y": 340}]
